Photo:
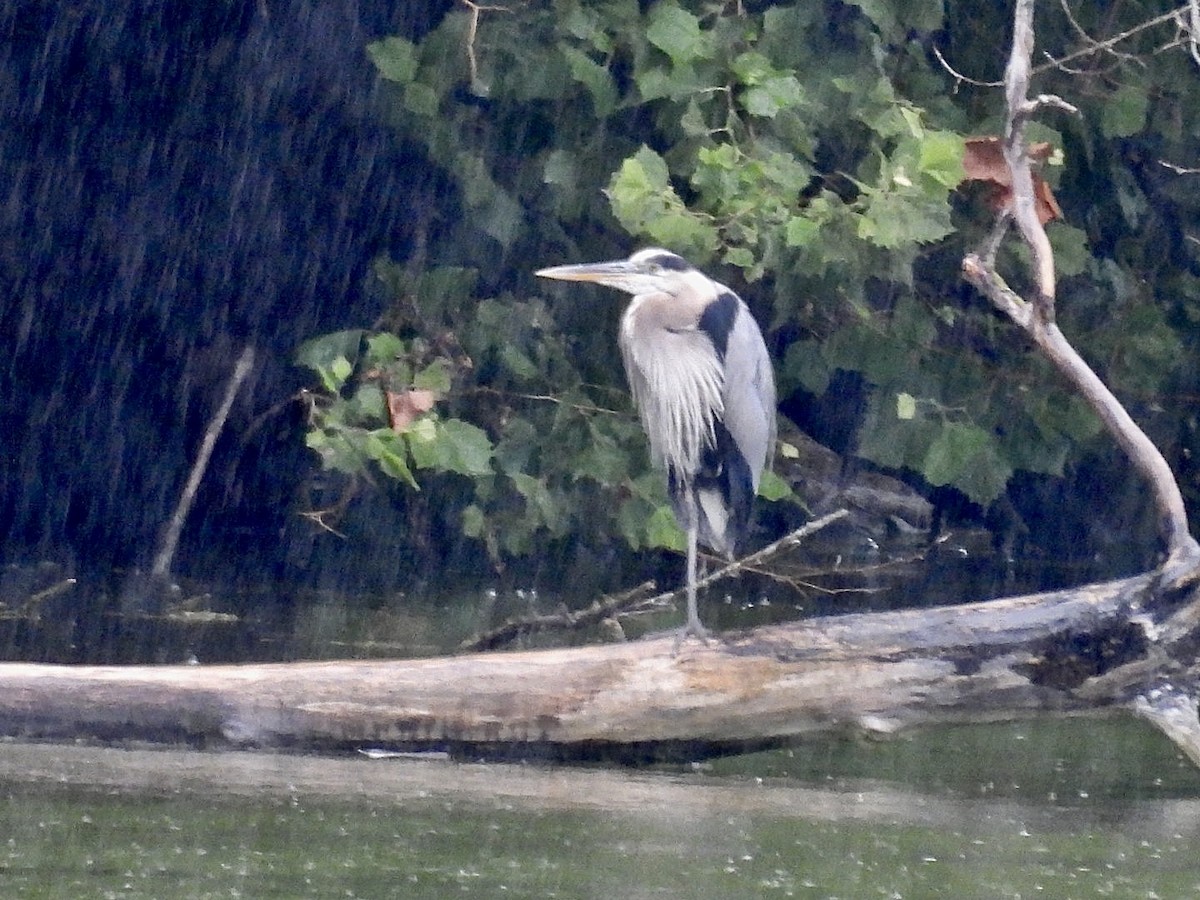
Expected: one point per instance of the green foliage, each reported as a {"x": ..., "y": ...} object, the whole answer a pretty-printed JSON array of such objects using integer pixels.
[
  {"x": 809, "y": 154},
  {"x": 349, "y": 419}
]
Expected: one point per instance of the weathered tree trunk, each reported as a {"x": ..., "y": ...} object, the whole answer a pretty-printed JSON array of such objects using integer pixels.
[{"x": 1100, "y": 649}]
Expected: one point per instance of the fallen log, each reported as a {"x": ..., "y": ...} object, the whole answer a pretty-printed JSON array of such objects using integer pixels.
[{"x": 1121, "y": 646}]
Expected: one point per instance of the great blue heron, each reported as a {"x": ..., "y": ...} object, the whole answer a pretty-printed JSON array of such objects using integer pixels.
[{"x": 702, "y": 383}]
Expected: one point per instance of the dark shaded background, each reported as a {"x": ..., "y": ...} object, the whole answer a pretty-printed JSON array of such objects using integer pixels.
[{"x": 177, "y": 180}]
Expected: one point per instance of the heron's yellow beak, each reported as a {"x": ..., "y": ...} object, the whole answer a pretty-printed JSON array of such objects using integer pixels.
[{"x": 599, "y": 273}]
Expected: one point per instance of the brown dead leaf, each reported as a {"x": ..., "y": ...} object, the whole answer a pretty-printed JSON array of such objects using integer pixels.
[
  {"x": 405, "y": 406},
  {"x": 984, "y": 161}
]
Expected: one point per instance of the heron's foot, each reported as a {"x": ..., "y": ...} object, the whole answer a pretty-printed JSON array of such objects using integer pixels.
[{"x": 693, "y": 629}]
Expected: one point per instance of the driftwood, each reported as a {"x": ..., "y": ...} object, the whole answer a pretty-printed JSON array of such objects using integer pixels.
[
  {"x": 1106, "y": 648},
  {"x": 1127, "y": 646}
]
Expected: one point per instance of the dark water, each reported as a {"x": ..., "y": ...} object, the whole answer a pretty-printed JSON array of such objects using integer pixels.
[{"x": 1068, "y": 809}]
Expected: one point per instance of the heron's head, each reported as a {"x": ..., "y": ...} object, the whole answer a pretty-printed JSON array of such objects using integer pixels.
[{"x": 649, "y": 271}]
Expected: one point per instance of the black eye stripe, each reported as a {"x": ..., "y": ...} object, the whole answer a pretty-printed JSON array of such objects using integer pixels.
[{"x": 670, "y": 262}]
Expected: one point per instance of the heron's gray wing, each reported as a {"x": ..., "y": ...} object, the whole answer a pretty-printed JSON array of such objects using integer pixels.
[{"x": 750, "y": 393}]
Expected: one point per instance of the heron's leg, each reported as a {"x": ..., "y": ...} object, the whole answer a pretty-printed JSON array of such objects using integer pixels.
[{"x": 693, "y": 626}]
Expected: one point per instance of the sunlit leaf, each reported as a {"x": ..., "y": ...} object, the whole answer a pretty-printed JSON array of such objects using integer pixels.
[
  {"x": 801, "y": 231},
  {"x": 942, "y": 157},
  {"x": 340, "y": 369}
]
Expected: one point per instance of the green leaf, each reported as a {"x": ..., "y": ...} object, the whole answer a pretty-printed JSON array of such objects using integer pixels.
[
  {"x": 464, "y": 448},
  {"x": 941, "y": 157},
  {"x": 690, "y": 235},
  {"x": 676, "y": 32},
  {"x": 395, "y": 58},
  {"x": 893, "y": 219},
  {"x": 773, "y": 96},
  {"x": 1071, "y": 251},
  {"x": 596, "y": 78},
  {"x": 955, "y": 448},
  {"x": 1124, "y": 113},
  {"x": 540, "y": 501},
  {"x": 434, "y": 377},
  {"x": 602, "y": 459},
  {"x": 805, "y": 364},
  {"x": 336, "y": 450},
  {"x": 693, "y": 122},
  {"x": 320, "y": 353},
  {"x": 906, "y": 405},
  {"x": 384, "y": 347},
  {"x": 367, "y": 404},
  {"x": 894, "y": 17},
  {"x": 773, "y": 488},
  {"x": 388, "y": 450},
  {"x": 801, "y": 231},
  {"x": 662, "y": 530},
  {"x": 560, "y": 168},
  {"x": 340, "y": 369},
  {"x": 518, "y": 363},
  {"x": 422, "y": 100}
]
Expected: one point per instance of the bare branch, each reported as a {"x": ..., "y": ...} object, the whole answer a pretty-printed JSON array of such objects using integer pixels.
[
  {"x": 1179, "y": 15},
  {"x": 170, "y": 538},
  {"x": 1177, "y": 169},
  {"x": 1091, "y": 42},
  {"x": 985, "y": 278},
  {"x": 1016, "y": 154},
  {"x": 1188, "y": 22},
  {"x": 1037, "y": 318},
  {"x": 755, "y": 558},
  {"x": 959, "y": 77}
]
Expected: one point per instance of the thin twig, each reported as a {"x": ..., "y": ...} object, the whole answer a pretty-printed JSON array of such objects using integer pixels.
[
  {"x": 959, "y": 76},
  {"x": 1106, "y": 44},
  {"x": 754, "y": 559},
  {"x": 472, "y": 32},
  {"x": 513, "y": 629}
]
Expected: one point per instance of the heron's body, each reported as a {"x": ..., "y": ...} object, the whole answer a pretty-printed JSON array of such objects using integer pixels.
[{"x": 701, "y": 380}]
